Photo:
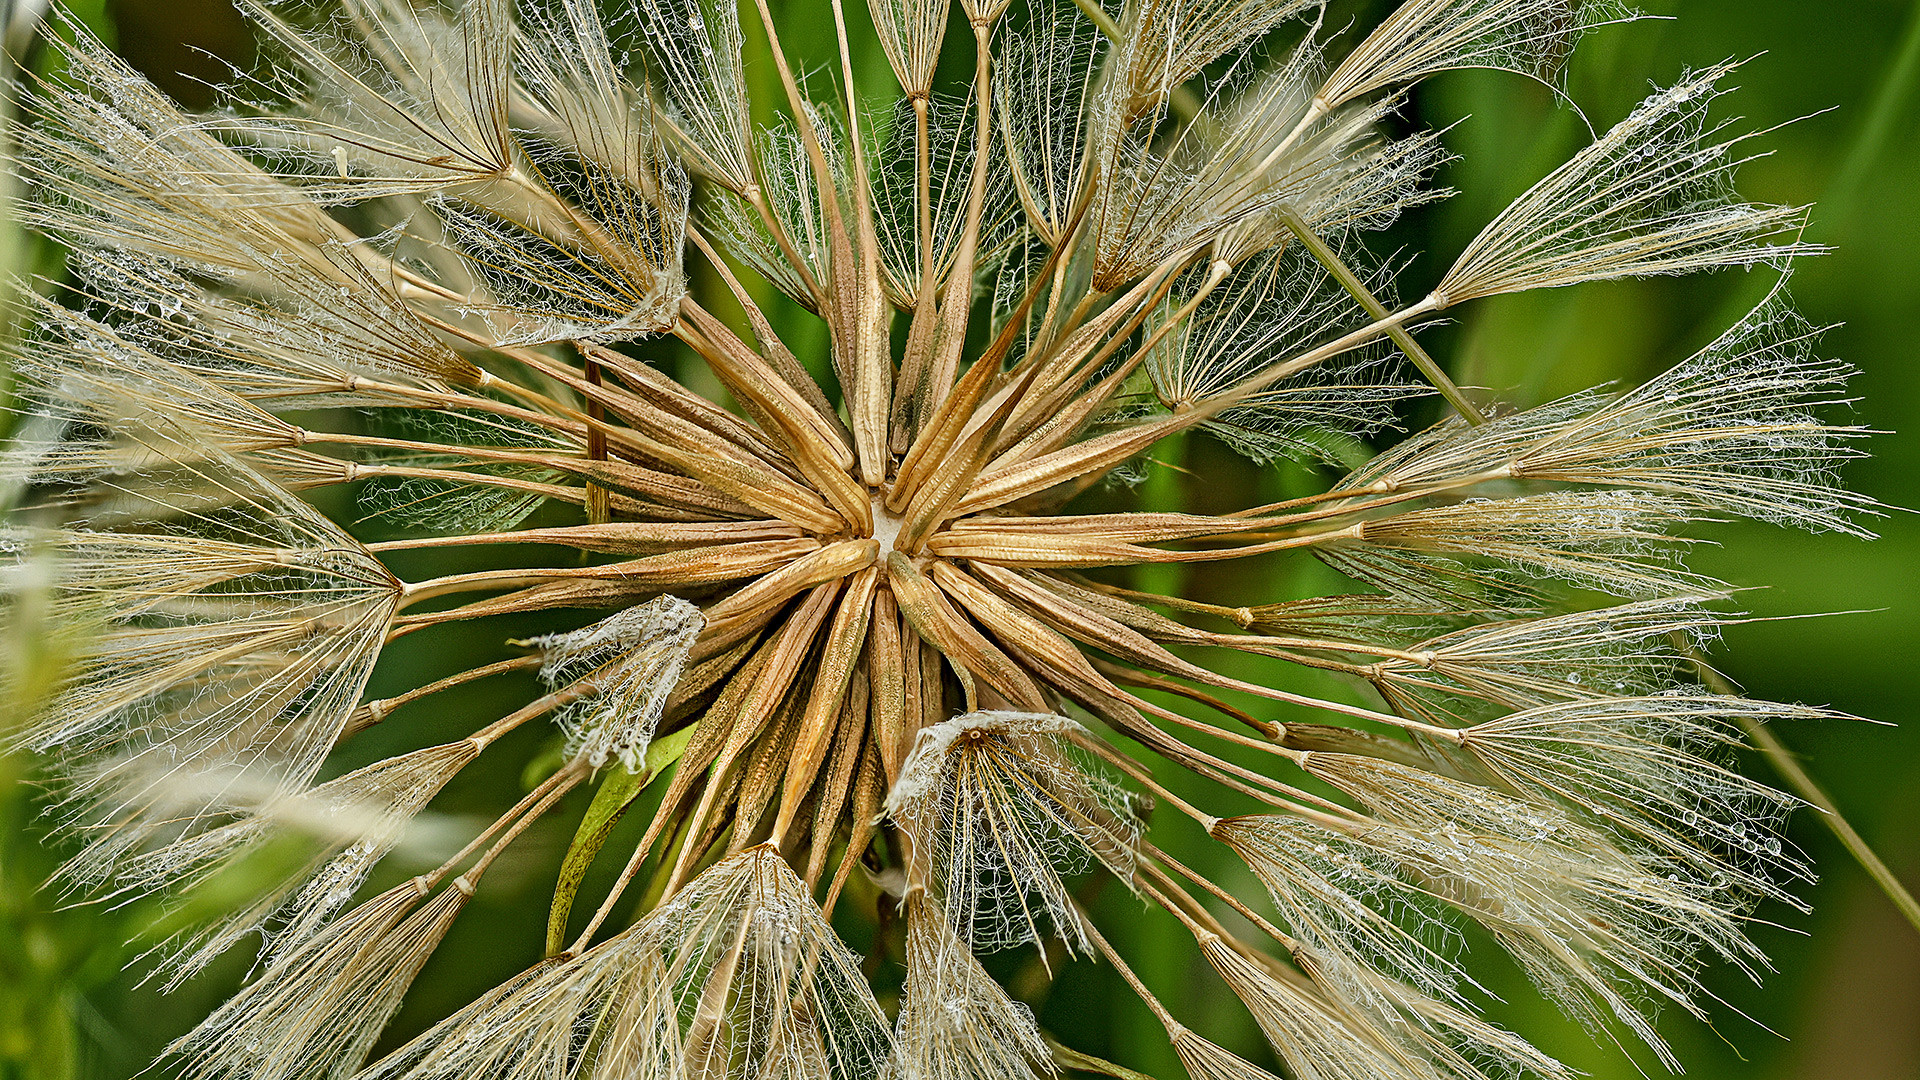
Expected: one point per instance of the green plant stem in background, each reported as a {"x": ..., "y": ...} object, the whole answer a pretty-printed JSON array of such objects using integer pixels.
[
  {"x": 1807, "y": 788},
  {"x": 1350, "y": 281}
]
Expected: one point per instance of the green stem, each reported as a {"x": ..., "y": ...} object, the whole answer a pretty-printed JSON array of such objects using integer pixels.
[
  {"x": 1856, "y": 845},
  {"x": 1805, "y": 786},
  {"x": 1350, "y": 281}
]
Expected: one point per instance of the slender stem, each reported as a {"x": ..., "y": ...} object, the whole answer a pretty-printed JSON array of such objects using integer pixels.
[
  {"x": 373, "y": 712},
  {"x": 455, "y": 401},
  {"x": 523, "y": 811},
  {"x": 956, "y": 304},
  {"x": 777, "y": 354},
  {"x": 829, "y": 190},
  {"x": 923, "y": 194},
  {"x": 1806, "y": 787},
  {"x": 757, "y": 198},
  {"x": 538, "y": 707},
  {"x": 599, "y": 509},
  {"x": 1350, "y": 281},
  {"x": 1063, "y": 420},
  {"x": 487, "y": 580},
  {"x": 1093, "y": 744},
  {"x": 1232, "y": 901},
  {"x": 1113, "y": 957},
  {"x": 551, "y": 791}
]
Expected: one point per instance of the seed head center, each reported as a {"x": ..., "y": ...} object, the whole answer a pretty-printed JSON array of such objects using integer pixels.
[{"x": 886, "y": 526}]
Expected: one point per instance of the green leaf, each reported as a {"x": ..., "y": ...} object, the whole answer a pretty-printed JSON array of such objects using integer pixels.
[{"x": 617, "y": 792}]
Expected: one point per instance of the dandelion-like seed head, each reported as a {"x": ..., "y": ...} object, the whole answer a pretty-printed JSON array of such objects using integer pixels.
[{"x": 776, "y": 410}]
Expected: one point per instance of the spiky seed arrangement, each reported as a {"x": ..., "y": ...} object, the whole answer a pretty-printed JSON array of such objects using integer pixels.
[{"x": 428, "y": 253}]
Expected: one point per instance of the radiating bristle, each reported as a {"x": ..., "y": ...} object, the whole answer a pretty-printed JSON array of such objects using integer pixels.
[
  {"x": 1308, "y": 1032},
  {"x": 1531, "y": 37},
  {"x": 1205, "y": 1060},
  {"x": 1342, "y": 897},
  {"x": 1732, "y": 427},
  {"x": 1653, "y": 769},
  {"x": 1618, "y": 542},
  {"x": 698, "y": 46},
  {"x": 737, "y": 975},
  {"x": 955, "y": 1022},
  {"x": 1594, "y": 926},
  {"x": 1165, "y": 43},
  {"x": 231, "y": 643},
  {"x": 349, "y": 823},
  {"x": 390, "y": 97},
  {"x": 1621, "y": 651},
  {"x": 1274, "y": 305}
]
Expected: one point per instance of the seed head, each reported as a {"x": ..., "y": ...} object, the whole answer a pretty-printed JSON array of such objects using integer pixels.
[{"x": 838, "y": 580}]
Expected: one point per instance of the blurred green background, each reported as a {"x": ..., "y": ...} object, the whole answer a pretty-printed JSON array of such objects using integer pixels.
[{"x": 1845, "y": 1003}]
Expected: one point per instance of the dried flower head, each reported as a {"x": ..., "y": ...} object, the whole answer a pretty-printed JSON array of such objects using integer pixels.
[{"x": 832, "y": 600}]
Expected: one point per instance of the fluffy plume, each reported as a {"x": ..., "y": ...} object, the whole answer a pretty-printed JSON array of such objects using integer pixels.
[
  {"x": 698, "y": 47},
  {"x": 737, "y": 976},
  {"x": 910, "y": 32},
  {"x": 1653, "y": 196},
  {"x": 124, "y": 408},
  {"x": 1276, "y": 305},
  {"x": 1617, "y": 542},
  {"x": 1000, "y": 812},
  {"x": 350, "y": 823},
  {"x": 951, "y": 132},
  {"x": 634, "y": 660},
  {"x": 1322, "y": 1036},
  {"x": 1520, "y": 663},
  {"x": 1048, "y": 66},
  {"x": 1653, "y": 770},
  {"x": 1425, "y": 37},
  {"x": 300, "y": 344},
  {"x": 233, "y": 641},
  {"x": 1168, "y": 42},
  {"x": 1594, "y": 927},
  {"x": 955, "y": 1022},
  {"x": 317, "y": 1011},
  {"x": 597, "y": 258},
  {"x": 1344, "y": 900},
  {"x": 392, "y": 97},
  {"x": 793, "y": 209},
  {"x": 1733, "y": 427},
  {"x": 1249, "y": 153},
  {"x": 114, "y": 162}
]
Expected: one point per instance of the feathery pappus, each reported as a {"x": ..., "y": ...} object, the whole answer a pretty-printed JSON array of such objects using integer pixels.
[{"x": 804, "y": 425}]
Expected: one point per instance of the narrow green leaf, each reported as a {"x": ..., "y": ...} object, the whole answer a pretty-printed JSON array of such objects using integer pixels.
[{"x": 617, "y": 792}]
